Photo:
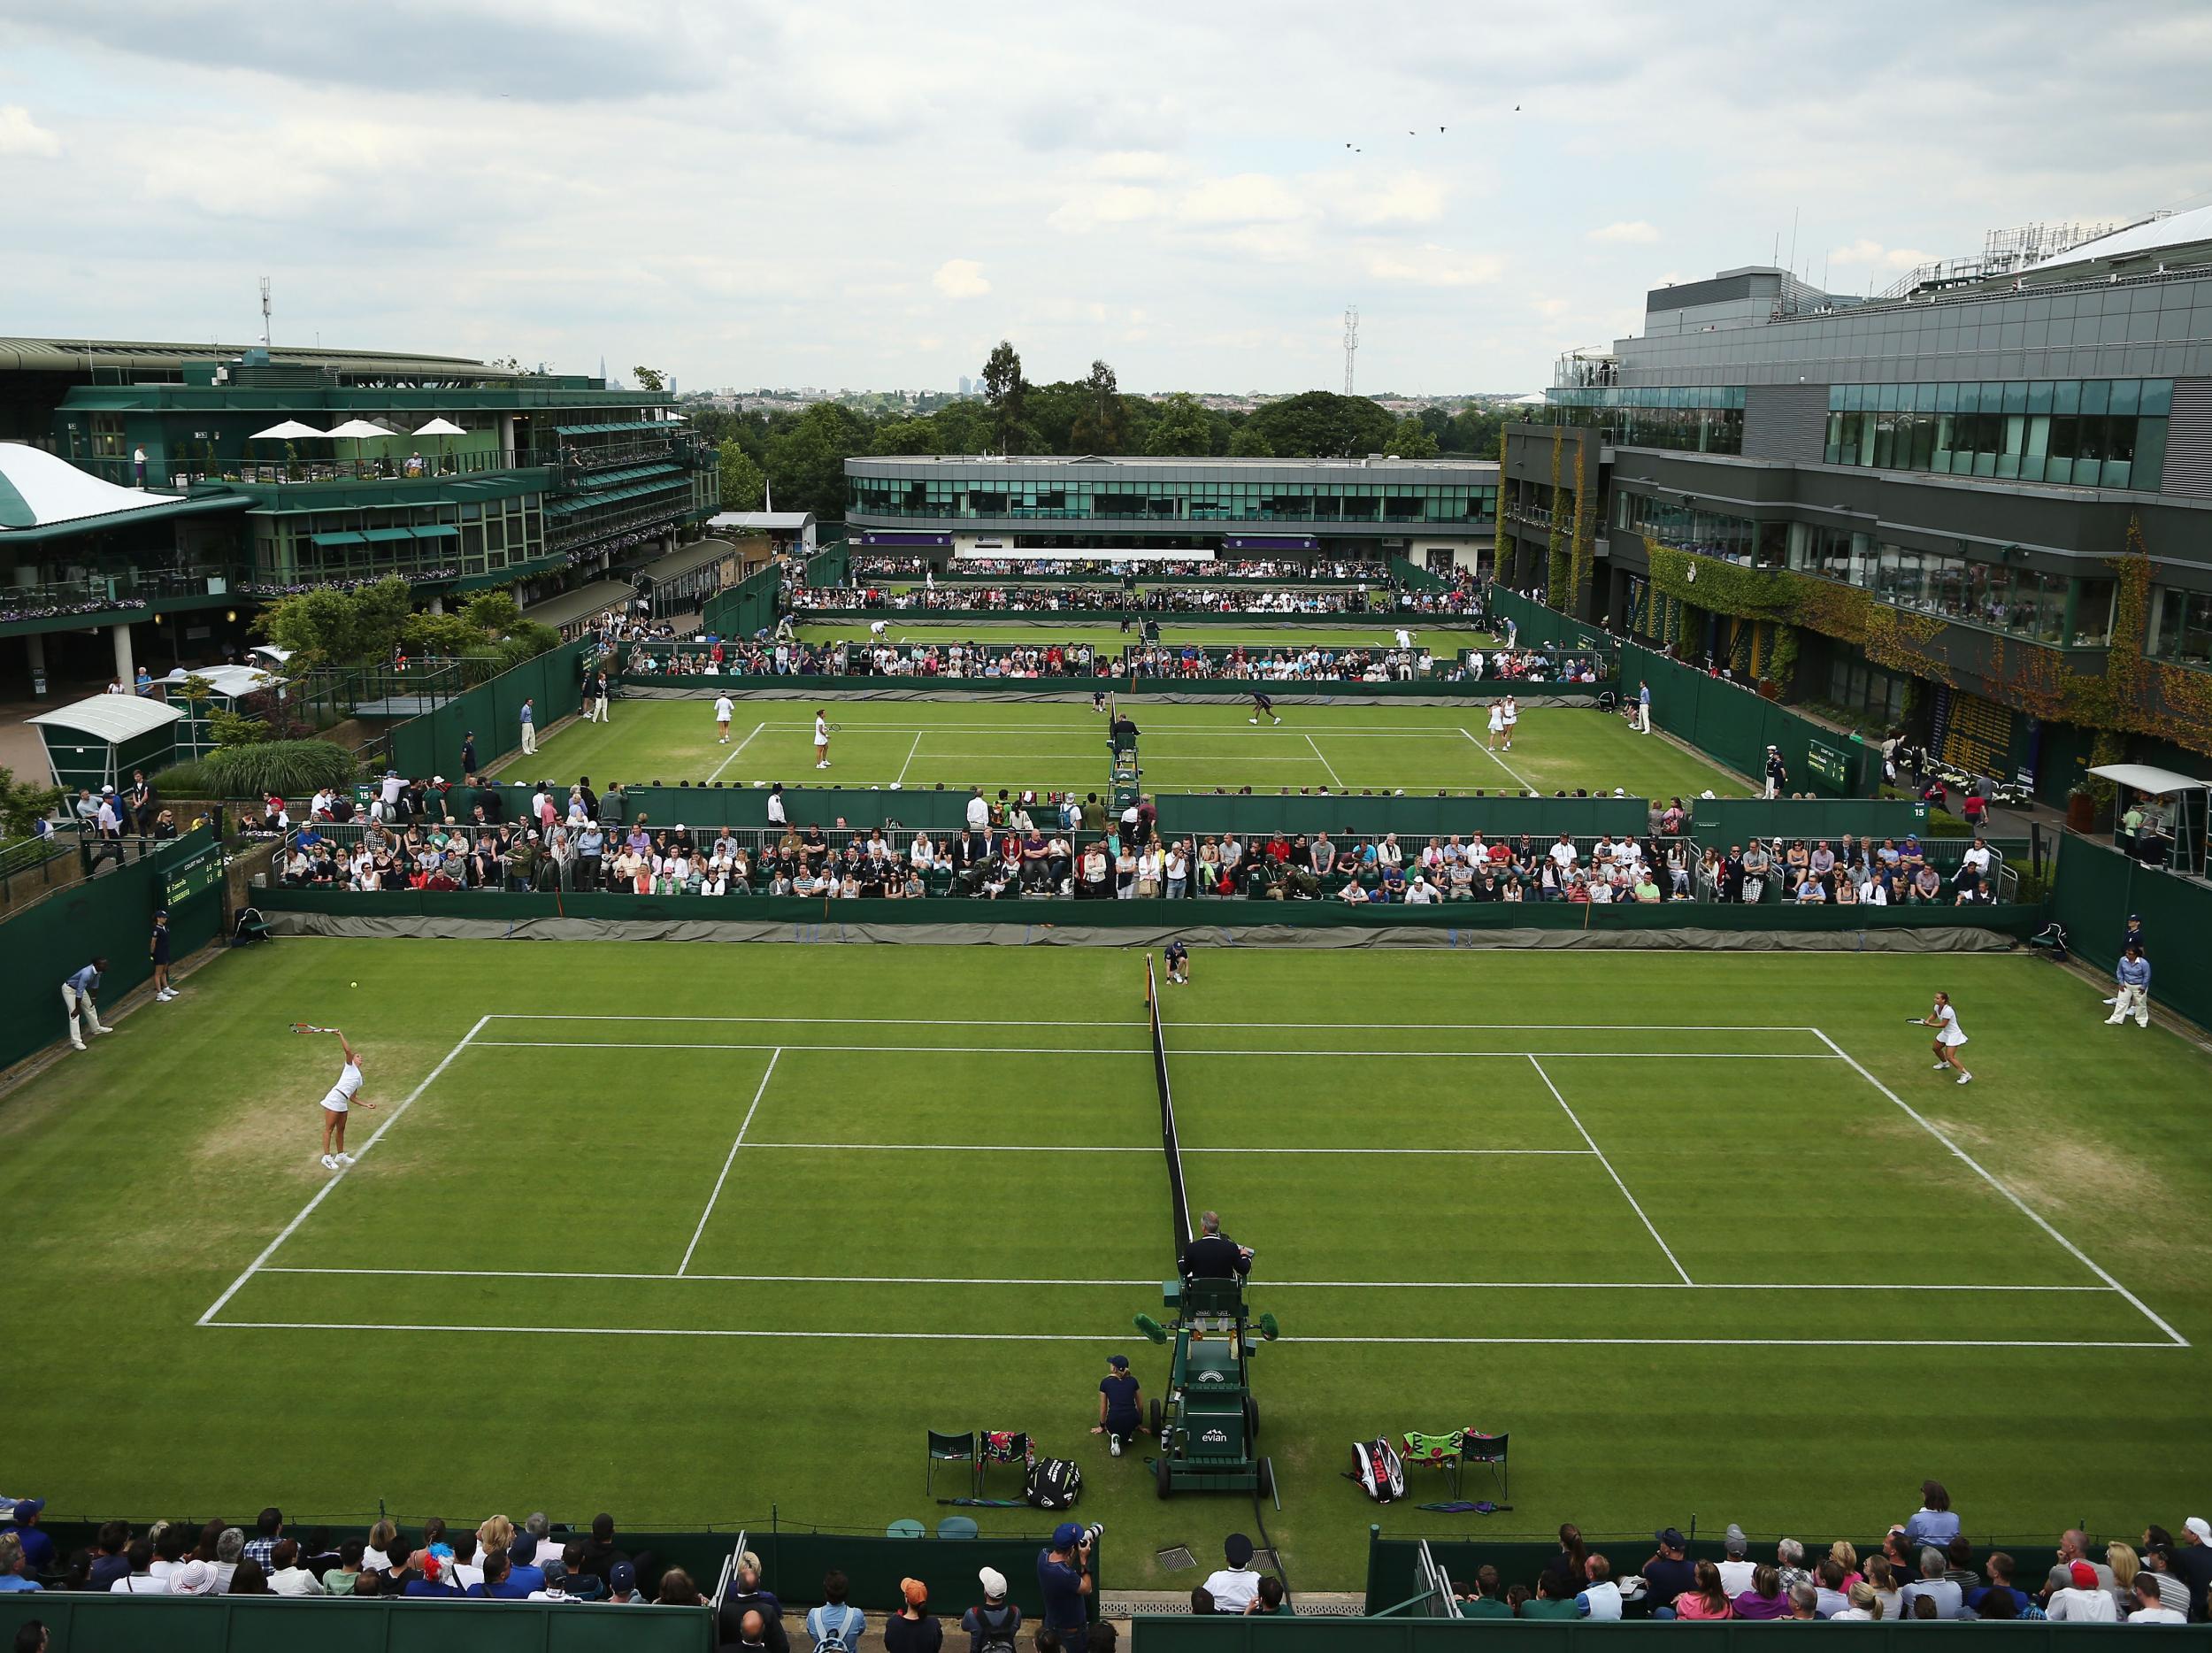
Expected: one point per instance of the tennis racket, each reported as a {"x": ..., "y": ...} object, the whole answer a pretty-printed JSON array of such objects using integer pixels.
[
  {"x": 309, "y": 1028},
  {"x": 834, "y": 728}
]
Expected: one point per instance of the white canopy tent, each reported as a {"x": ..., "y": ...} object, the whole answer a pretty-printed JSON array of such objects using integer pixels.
[{"x": 97, "y": 741}]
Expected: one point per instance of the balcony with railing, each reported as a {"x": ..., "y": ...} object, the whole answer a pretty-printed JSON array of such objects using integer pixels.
[
  {"x": 412, "y": 467},
  {"x": 120, "y": 594}
]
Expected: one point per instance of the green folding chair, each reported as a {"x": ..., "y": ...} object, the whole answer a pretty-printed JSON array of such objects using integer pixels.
[{"x": 960, "y": 1449}]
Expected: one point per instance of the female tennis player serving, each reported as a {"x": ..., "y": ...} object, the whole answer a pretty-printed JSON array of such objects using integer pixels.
[{"x": 343, "y": 1095}]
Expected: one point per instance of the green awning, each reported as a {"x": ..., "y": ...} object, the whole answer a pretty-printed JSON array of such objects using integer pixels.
[
  {"x": 669, "y": 426},
  {"x": 634, "y": 474},
  {"x": 326, "y": 541},
  {"x": 384, "y": 537},
  {"x": 443, "y": 531}
]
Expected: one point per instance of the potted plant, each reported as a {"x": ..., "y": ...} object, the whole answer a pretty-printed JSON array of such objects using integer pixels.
[{"x": 2081, "y": 807}]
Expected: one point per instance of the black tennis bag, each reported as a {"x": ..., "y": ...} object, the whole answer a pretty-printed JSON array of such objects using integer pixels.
[
  {"x": 1377, "y": 1468},
  {"x": 1054, "y": 1483}
]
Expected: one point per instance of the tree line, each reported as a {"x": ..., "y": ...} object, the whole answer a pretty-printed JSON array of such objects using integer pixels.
[{"x": 802, "y": 455}]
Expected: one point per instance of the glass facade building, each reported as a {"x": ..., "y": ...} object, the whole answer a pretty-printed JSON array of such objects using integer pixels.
[
  {"x": 1690, "y": 419},
  {"x": 1169, "y": 495},
  {"x": 2086, "y": 433}
]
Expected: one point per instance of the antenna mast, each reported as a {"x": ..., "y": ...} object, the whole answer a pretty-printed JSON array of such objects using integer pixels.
[
  {"x": 265, "y": 311},
  {"x": 1351, "y": 343}
]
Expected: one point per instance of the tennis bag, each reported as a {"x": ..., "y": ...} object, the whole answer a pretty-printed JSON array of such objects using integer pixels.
[
  {"x": 1377, "y": 1469},
  {"x": 1054, "y": 1483}
]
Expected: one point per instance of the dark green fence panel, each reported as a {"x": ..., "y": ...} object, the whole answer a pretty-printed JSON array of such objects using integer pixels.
[
  {"x": 430, "y": 744},
  {"x": 1736, "y": 820},
  {"x": 1474, "y": 921},
  {"x": 111, "y": 914},
  {"x": 1253, "y": 1634},
  {"x": 2096, "y": 889},
  {"x": 1411, "y": 817},
  {"x": 1733, "y": 724},
  {"x": 745, "y": 608},
  {"x": 82, "y": 1623},
  {"x": 1539, "y": 624},
  {"x": 793, "y": 1565},
  {"x": 831, "y": 567}
]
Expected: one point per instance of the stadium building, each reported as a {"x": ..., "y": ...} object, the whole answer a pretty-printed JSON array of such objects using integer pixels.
[
  {"x": 1979, "y": 503},
  {"x": 142, "y": 493},
  {"x": 1437, "y": 513}
]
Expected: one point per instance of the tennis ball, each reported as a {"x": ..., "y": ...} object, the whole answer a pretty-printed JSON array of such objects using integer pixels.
[{"x": 353, "y": 984}]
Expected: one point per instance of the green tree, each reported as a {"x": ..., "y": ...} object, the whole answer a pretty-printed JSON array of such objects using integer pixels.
[
  {"x": 493, "y": 613},
  {"x": 1102, "y": 427},
  {"x": 1321, "y": 424},
  {"x": 22, "y": 804},
  {"x": 1005, "y": 392},
  {"x": 743, "y": 483},
  {"x": 905, "y": 435},
  {"x": 806, "y": 459},
  {"x": 440, "y": 636},
  {"x": 1410, "y": 439},
  {"x": 1474, "y": 431},
  {"x": 1182, "y": 431},
  {"x": 1249, "y": 445},
  {"x": 650, "y": 379},
  {"x": 960, "y": 427},
  {"x": 332, "y": 628}
]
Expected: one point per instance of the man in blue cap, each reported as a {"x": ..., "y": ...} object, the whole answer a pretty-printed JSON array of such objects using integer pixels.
[
  {"x": 1063, "y": 1574},
  {"x": 1120, "y": 1405},
  {"x": 38, "y": 1549}
]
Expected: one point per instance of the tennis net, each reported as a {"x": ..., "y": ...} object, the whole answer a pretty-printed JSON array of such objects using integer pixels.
[{"x": 1169, "y": 1141}]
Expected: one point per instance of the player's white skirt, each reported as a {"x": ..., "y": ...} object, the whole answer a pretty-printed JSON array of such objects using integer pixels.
[
  {"x": 336, "y": 1102},
  {"x": 1497, "y": 722},
  {"x": 1952, "y": 1037}
]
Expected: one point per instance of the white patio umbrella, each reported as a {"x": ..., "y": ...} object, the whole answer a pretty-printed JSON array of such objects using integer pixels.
[
  {"x": 290, "y": 430},
  {"x": 356, "y": 431},
  {"x": 440, "y": 428}
]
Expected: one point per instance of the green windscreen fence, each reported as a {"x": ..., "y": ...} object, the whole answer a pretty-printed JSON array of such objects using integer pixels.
[
  {"x": 111, "y": 915},
  {"x": 1733, "y": 724},
  {"x": 81, "y": 1623},
  {"x": 431, "y": 743},
  {"x": 2096, "y": 890},
  {"x": 745, "y": 608},
  {"x": 831, "y": 567}
]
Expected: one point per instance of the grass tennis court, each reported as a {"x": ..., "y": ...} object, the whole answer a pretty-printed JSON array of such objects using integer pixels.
[
  {"x": 1044, "y": 630},
  {"x": 733, "y": 1226},
  {"x": 1054, "y": 746}
]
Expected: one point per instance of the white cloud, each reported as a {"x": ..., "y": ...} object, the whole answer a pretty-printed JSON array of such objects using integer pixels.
[
  {"x": 1243, "y": 198},
  {"x": 1140, "y": 164},
  {"x": 19, "y": 134},
  {"x": 961, "y": 278},
  {"x": 1633, "y": 232},
  {"x": 1431, "y": 266},
  {"x": 1405, "y": 198},
  {"x": 1119, "y": 204},
  {"x": 1865, "y": 252}
]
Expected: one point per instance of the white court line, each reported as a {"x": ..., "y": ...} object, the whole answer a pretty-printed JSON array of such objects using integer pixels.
[
  {"x": 712, "y": 1199},
  {"x": 1111, "y": 1337},
  {"x": 917, "y": 747},
  {"x": 323, "y": 1192},
  {"x": 940, "y": 1021},
  {"x": 1272, "y": 1285},
  {"x": 1501, "y": 762},
  {"x": 1326, "y": 764},
  {"x": 2019, "y": 1205},
  {"x": 1010, "y": 1049},
  {"x": 1610, "y": 1172},
  {"x": 1023, "y": 1147},
  {"x": 734, "y": 751}
]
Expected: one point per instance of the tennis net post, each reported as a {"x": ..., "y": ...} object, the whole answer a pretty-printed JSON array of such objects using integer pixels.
[{"x": 1180, "y": 1200}]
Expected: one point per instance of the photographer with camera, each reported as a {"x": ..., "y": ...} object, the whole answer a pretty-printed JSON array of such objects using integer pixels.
[{"x": 1063, "y": 1574}]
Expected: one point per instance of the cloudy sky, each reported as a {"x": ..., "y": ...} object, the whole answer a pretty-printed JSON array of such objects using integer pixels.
[{"x": 868, "y": 195}]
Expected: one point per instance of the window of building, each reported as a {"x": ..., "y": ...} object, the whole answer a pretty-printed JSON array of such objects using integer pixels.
[
  {"x": 2084, "y": 433},
  {"x": 2181, "y": 625}
]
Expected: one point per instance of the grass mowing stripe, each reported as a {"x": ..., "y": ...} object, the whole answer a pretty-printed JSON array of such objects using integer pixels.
[
  {"x": 1122, "y": 1337},
  {"x": 1271, "y": 1285},
  {"x": 2026, "y": 1210},
  {"x": 732, "y": 758},
  {"x": 1501, "y": 762},
  {"x": 713, "y": 1198},
  {"x": 323, "y": 1192},
  {"x": 1610, "y": 1172}
]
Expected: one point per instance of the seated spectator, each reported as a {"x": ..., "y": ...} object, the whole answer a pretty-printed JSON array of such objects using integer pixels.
[
  {"x": 622, "y": 1588},
  {"x": 601, "y": 1555},
  {"x": 1932, "y": 1585},
  {"x": 2083, "y": 1600},
  {"x": 2149, "y": 1607},
  {"x": 193, "y": 1578},
  {"x": 1765, "y": 1599},
  {"x": 1486, "y": 1600},
  {"x": 1707, "y": 1598},
  {"x": 1600, "y": 1598},
  {"x": 500, "y": 1582},
  {"x": 746, "y": 1595},
  {"x": 1554, "y": 1596},
  {"x": 677, "y": 1590},
  {"x": 1804, "y": 1603},
  {"x": 286, "y": 1576},
  {"x": 110, "y": 1558},
  {"x": 140, "y": 1580},
  {"x": 341, "y": 1579},
  {"x": 248, "y": 1578}
]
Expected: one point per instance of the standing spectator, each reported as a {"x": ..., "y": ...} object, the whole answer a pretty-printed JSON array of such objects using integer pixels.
[
  {"x": 529, "y": 717},
  {"x": 2132, "y": 979},
  {"x": 1778, "y": 775},
  {"x": 992, "y": 1626},
  {"x": 912, "y": 1629},
  {"x": 836, "y": 1626},
  {"x": 745, "y": 1594},
  {"x": 1064, "y": 1576}
]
